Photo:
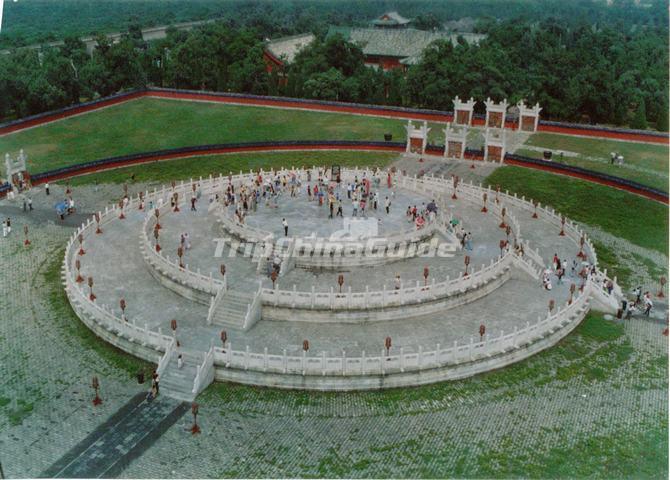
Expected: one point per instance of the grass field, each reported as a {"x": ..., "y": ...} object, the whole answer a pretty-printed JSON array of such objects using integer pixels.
[
  {"x": 643, "y": 163},
  {"x": 153, "y": 124},
  {"x": 641, "y": 221},
  {"x": 180, "y": 169}
]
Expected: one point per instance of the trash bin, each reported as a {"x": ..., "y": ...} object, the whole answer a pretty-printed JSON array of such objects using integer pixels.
[
  {"x": 388, "y": 137},
  {"x": 547, "y": 154}
]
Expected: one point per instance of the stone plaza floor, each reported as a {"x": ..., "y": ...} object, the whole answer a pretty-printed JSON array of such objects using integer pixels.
[{"x": 579, "y": 409}]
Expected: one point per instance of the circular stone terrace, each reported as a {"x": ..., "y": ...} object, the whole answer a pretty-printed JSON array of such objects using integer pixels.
[{"x": 357, "y": 303}]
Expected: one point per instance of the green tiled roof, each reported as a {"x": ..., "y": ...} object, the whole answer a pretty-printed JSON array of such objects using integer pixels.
[{"x": 400, "y": 43}]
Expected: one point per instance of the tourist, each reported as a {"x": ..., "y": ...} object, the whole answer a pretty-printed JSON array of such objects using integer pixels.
[
  {"x": 387, "y": 205},
  {"x": 180, "y": 362},
  {"x": 46, "y": 188},
  {"x": 556, "y": 261},
  {"x": 4, "y": 228},
  {"x": 193, "y": 200},
  {"x": 25, "y": 204},
  {"x": 9, "y": 225},
  {"x": 30, "y": 204},
  {"x": 560, "y": 273},
  {"x": 638, "y": 293},
  {"x": 339, "y": 208},
  {"x": 285, "y": 225},
  {"x": 630, "y": 310},
  {"x": 397, "y": 281},
  {"x": 648, "y": 304},
  {"x": 354, "y": 205},
  {"x": 468, "y": 241}
]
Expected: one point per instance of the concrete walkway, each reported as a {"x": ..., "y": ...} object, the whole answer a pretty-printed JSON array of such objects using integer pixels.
[{"x": 111, "y": 447}]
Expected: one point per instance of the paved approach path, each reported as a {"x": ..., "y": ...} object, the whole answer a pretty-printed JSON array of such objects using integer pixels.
[{"x": 107, "y": 451}]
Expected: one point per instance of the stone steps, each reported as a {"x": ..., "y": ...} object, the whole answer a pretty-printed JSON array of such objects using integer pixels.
[
  {"x": 178, "y": 382},
  {"x": 232, "y": 310}
]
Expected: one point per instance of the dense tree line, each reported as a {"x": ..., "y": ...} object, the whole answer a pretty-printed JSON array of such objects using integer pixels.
[
  {"x": 35, "y": 21},
  {"x": 577, "y": 72}
]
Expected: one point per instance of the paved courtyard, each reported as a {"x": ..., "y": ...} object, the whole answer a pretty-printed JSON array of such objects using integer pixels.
[{"x": 594, "y": 396}]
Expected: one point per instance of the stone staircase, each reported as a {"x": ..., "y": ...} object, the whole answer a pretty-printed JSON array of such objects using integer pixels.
[
  {"x": 231, "y": 309},
  {"x": 178, "y": 382}
]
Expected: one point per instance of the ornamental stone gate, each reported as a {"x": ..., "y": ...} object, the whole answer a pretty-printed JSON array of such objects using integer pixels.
[
  {"x": 455, "y": 141},
  {"x": 463, "y": 111},
  {"x": 417, "y": 138},
  {"x": 528, "y": 117},
  {"x": 494, "y": 146},
  {"x": 495, "y": 113}
]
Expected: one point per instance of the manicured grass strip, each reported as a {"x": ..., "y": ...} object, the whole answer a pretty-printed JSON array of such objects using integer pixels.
[
  {"x": 639, "y": 220},
  {"x": 643, "y": 163},
  {"x": 194, "y": 167},
  {"x": 154, "y": 124}
]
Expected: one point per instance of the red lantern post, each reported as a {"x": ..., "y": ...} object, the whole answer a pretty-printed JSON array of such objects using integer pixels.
[
  {"x": 662, "y": 281},
  {"x": 121, "y": 204},
  {"x": 387, "y": 345},
  {"x": 224, "y": 337},
  {"x": 157, "y": 213},
  {"x": 467, "y": 262},
  {"x": 176, "y": 202},
  {"x": 426, "y": 272},
  {"x": 455, "y": 183},
  {"x": 122, "y": 305},
  {"x": 581, "y": 253},
  {"x": 273, "y": 277},
  {"x": 305, "y": 345},
  {"x": 90, "y": 286},
  {"x": 497, "y": 193},
  {"x": 180, "y": 254},
  {"x": 482, "y": 332},
  {"x": 562, "y": 232},
  {"x": 77, "y": 265},
  {"x": 195, "y": 429},
  {"x": 503, "y": 212},
  {"x": 81, "y": 245},
  {"x": 508, "y": 230},
  {"x": 26, "y": 242},
  {"x": 98, "y": 230},
  {"x": 552, "y": 304},
  {"x": 572, "y": 292},
  {"x": 141, "y": 205},
  {"x": 484, "y": 198},
  {"x": 95, "y": 384},
  {"x": 222, "y": 269},
  {"x": 173, "y": 325},
  {"x": 340, "y": 281},
  {"x": 534, "y": 209},
  {"x": 156, "y": 235}
]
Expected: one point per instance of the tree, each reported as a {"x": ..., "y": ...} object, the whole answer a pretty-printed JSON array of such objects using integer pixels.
[
  {"x": 325, "y": 86},
  {"x": 662, "y": 119},
  {"x": 639, "y": 120}
]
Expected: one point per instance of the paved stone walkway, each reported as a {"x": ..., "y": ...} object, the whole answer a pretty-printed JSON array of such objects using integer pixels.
[{"x": 108, "y": 450}]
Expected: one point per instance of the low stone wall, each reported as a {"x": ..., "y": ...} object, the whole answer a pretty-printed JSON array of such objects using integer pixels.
[{"x": 398, "y": 369}]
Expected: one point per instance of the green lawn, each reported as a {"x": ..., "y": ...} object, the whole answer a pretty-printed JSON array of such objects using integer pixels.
[
  {"x": 643, "y": 163},
  {"x": 154, "y": 124},
  {"x": 181, "y": 169},
  {"x": 641, "y": 221}
]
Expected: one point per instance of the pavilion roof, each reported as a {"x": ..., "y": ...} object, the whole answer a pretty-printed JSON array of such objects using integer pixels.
[
  {"x": 390, "y": 19},
  {"x": 399, "y": 43},
  {"x": 286, "y": 48}
]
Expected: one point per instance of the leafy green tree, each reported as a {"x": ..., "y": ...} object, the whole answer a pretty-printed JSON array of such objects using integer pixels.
[
  {"x": 325, "y": 86},
  {"x": 639, "y": 119}
]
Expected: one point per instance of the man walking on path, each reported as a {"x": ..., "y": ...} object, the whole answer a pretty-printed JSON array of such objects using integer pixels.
[
  {"x": 46, "y": 188},
  {"x": 285, "y": 224},
  {"x": 30, "y": 204},
  {"x": 387, "y": 204}
]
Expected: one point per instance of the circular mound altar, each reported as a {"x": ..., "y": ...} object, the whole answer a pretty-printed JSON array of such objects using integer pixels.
[{"x": 302, "y": 279}]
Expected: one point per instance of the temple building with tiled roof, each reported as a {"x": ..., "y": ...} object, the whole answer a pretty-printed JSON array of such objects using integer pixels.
[
  {"x": 281, "y": 51},
  {"x": 391, "y": 44}
]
